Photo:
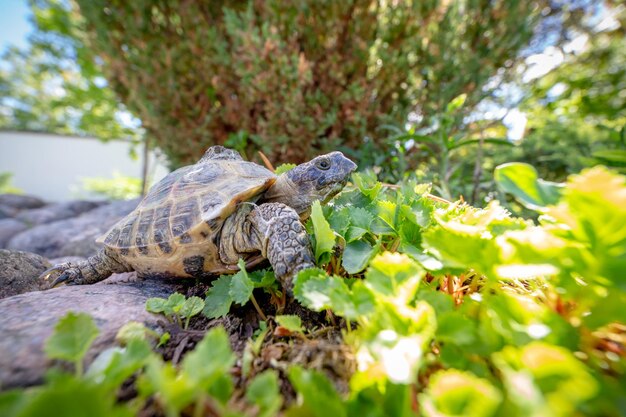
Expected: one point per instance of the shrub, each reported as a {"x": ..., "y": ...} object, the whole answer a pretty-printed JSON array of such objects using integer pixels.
[{"x": 297, "y": 78}]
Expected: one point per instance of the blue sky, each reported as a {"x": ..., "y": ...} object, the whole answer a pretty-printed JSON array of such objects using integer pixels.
[{"x": 14, "y": 24}]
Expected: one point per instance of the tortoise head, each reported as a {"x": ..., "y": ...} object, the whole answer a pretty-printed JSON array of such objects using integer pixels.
[{"x": 319, "y": 179}]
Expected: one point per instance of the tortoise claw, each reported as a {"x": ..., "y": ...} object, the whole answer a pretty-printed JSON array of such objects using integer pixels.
[
  {"x": 64, "y": 272},
  {"x": 60, "y": 279}
]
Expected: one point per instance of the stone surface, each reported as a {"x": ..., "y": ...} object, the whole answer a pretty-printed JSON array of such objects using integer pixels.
[
  {"x": 21, "y": 201},
  {"x": 8, "y": 229},
  {"x": 75, "y": 236},
  {"x": 29, "y": 319},
  {"x": 7, "y": 212},
  {"x": 63, "y": 259},
  {"x": 19, "y": 272},
  {"x": 57, "y": 211}
]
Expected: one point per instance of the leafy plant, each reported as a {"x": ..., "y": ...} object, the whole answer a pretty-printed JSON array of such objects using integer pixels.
[
  {"x": 238, "y": 288},
  {"x": 71, "y": 339},
  {"x": 450, "y": 310},
  {"x": 5, "y": 184},
  {"x": 117, "y": 188},
  {"x": 176, "y": 306}
]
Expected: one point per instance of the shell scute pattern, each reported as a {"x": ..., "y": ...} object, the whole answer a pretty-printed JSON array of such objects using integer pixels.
[{"x": 188, "y": 206}]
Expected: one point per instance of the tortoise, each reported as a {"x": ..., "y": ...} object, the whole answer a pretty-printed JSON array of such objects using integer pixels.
[{"x": 201, "y": 219}]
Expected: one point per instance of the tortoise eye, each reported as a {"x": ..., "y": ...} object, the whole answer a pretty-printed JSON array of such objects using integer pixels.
[{"x": 323, "y": 164}]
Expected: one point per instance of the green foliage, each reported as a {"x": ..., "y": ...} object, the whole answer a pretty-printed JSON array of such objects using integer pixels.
[
  {"x": 248, "y": 75},
  {"x": 281, "y": 169},
  {"x": 238, "y": 288},
  {"x": 459, "y": 311},
  {"x": 455, "y": 393},
  {"x": 290, "y": 322},
  {"x": 71, "y": 339},
  {"x": 55, "y": 84},
  {"x": 117, "y": 188},
  {"x": 264, "y": 392},
  {"x": 176, "y": 306},
  {"x": 521, "y": 180},
  {"x": 5, "y": 184}
]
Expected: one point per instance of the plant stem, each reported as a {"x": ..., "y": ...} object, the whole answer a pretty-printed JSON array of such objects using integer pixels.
[
  {"x": 258, "y": 309},
  {"x": 78, "y": 367},
  {"x": 349, "y": 326},
  {"x": 187, "y": 323}
]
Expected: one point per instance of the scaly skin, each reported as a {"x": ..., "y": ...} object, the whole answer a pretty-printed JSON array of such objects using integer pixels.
[
  {"x": 94, "y": 269},
  {"x": 283, "y": 240}
]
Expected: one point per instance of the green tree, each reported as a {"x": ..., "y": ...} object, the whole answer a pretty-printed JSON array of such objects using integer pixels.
[
  {"x": 56, "y": 84},
  {"x": 294, "y": 78}
]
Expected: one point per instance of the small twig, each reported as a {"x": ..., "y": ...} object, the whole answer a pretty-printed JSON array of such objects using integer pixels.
[
  {"x": 179, "y": 350},
  {"x": 258, "y": 309},
  {"x": 266, "y": 161}
]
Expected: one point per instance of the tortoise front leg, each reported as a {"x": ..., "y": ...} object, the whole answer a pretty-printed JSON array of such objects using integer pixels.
[
  {"x": 93, "y": 269},
  {"x": 282, "y": 240}
]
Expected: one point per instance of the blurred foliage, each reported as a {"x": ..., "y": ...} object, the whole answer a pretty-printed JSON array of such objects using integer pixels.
[
  {"x": 55, "y": 84},
  {"x": 447, "y": 310},
  {"x": 119, "y": 187},
  {"x": 576, "y": 118},
  {"x": 297, "y": 78},
  {"x": 6, "y": 186}
]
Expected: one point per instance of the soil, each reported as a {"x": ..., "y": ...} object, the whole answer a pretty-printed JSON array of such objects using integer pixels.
[{"x": 321, "y": 348}]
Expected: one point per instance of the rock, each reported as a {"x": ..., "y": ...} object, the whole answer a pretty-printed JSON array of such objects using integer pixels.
[
  {"x": 8, "y": 228},
  {"x": 29, "y": 319},
  {"x": 63, "y": 259},
  {"x": 19, "y": 272},
  {"x": 56, "y": 211},
  {"x": 21, "y": 201},
  {"x": 72, "y": 237},
  {"x": 7, "y": 212}
]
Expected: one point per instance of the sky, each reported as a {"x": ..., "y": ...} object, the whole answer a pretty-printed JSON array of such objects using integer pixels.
[{"x": 14, "y": 24}]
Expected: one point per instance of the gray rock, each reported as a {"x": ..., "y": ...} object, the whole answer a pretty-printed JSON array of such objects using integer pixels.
[
  {"x": 21, "y": 201},
  {"x": 19, "y": 273},
  {"x": 63, "y": 259},
  {"x": 7, "y": 212},
  {"x": 56, "y": 211},
  {"x": 72, "y": 237},
  {"x": 29, "y": 319},
  {"x": 8, "y": 228}
]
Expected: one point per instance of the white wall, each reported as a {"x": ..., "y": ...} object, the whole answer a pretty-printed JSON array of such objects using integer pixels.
[{"x": 51, "y": 166}]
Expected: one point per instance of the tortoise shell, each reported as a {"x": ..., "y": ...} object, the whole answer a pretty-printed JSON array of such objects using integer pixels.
[{"x": 188, "y": 208}]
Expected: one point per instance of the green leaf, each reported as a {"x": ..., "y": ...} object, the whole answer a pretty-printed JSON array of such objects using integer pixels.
[
  {"x": 324, "y": 235},
  {"x": 191, "y": 307},
  {"x": 263, "y": 279},
  {"x": 218, "y": 299},
  {"x": 115, "y": 365},
  {"x": 316, "y": 395},
  {"x": 174, "y": 304},
  {"x": 132, "y": 330},
  {"x": 240, "y": 285},
  {"x": 522, "y": 181},
  {"x": 281, "y": 169},
  {"x": 211, "y": 359},
  {"x": 490, "y": 141},
  {"x": 264, "y": 391},
  {"x": 456, "y": 103},
  {"x": 456, "y": 393},
  {"x": 72, "y": 397},
  {"x": 455, "y": 328},
  {"x": 367, "y": 185},
  {"x": 156, "y": 305},
  {"x": 72, "y": 337},
  {"x": 290, "y": 322},
  {"x": 356, "y": 256}
]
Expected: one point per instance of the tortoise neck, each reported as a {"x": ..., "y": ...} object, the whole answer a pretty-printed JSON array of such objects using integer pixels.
[{"x": 286, "y": 192}]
